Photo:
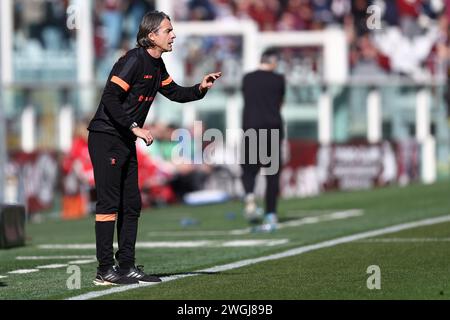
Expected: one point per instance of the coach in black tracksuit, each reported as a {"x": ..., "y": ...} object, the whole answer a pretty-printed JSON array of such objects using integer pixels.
[
  {"x": 129, "y": 92},
  {"x": 263, "y": 91}
]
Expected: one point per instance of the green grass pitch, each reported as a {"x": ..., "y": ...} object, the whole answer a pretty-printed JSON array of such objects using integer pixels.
[{"x": 413, "y": 263}]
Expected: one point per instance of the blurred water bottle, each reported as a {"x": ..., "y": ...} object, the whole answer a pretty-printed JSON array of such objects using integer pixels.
[
  {"x": 186, "y": 222},
  {"x": 230, "y": 216}
]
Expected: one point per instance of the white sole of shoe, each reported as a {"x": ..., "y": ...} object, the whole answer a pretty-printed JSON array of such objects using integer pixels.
[{"x": 103, "y": 283}]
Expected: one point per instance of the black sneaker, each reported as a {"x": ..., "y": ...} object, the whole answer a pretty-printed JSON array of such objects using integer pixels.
[
  {"x": 112, "y": 277},
  {"x": 137, "y": 273}
]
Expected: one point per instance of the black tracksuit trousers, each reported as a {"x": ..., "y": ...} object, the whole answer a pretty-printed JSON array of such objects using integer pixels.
[{"x": 118, "y": 198}]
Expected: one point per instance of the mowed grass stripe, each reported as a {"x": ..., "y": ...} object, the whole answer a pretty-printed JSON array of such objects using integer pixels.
[
  {"x": 285, "y": 254},
  {"x": 382, "y": 207},
  {"x": 407, "y": 271}
]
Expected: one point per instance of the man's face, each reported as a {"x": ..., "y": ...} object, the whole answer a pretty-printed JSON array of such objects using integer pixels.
[{"x": 164, "y": 37}]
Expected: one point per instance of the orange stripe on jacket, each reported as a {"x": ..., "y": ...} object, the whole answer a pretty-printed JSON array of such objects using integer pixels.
[
  {"x": 125, "y": 86},
  {"x": 105, "y": 217},
  {"x": 166, "y": 82}
]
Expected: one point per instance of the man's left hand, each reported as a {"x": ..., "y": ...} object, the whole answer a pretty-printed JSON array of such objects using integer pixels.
[{"x": 208, "y": 80}]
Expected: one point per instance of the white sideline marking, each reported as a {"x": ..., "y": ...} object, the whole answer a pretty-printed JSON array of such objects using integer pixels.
[
  {"x": 53, "y": 257},
  {"x": 69, "y": 246},
  {"x": 267, "y": 243},
  {"x": 326, "y": 217},
  {"x": 1, "y": 277},
  {"x": 82, "y": 261},
  {"x": 407, "y": 240},
  {"x": 344, "y": 214},
  {"x": 178, "y": 244},
  {"x": 21, "y": 271},
  {"x": 52, "y": 266},
  {"x": 49, "y": 266},
  {"x": 285, "y": 254}
]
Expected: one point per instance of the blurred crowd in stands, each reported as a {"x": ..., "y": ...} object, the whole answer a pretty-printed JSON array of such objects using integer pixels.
[
  {"x": 395, "y": 38},
  {"x": 410, "y": 39},
  {"x": 163, "y": 179}
]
